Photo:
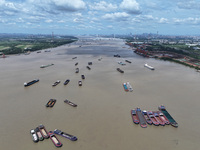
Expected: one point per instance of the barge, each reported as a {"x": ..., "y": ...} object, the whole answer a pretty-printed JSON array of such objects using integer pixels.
[
  {"x": 143, "y": 123},
  {"x": 56, "y": 83},
  {"x": 66, "y": 82},
  {"x": 43, "y": 131},
  {"x": 70, "y": 103},
  {"x": 44, "y": 66},
  {"x": 31, "y": 82},
  {"x": 54, "y": 139},
  {"x": 150, "y": 67},
  {"x": 121, "y": 71},
  {"x": 66, "y": 135},
  {"x": 134, "y": 116},
  {"x": 169, "y": 117}
]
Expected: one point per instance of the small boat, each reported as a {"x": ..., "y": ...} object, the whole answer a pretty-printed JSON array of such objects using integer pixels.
[
  {"x": 150, "y": 67},
  {"x": 152, "y": 117},
  {"x": 89, "y": 63},
  {"x": 129, "y": 87},
  {"x": 43, "y": 131},
  {"x": 54, "y": 139},
  {"x": 125, "y": 87},
  {"x": 88, "y": 67},
  {"x": 74, "y": 57},
  {"x": 142, "y": 120},
  {"x": 47, "y": 51},
  {"x": 121, "y": 71},
  {"x": 128, "y": 61},
  {"x": 80, "y": 83},
  {"x": 121, "y": 63},
  {"x": 169, "y": 117},
  {"x": 52, "y": 103},
  {"x": 37, "y": 130},
  {"x": 134, "y": 116},
  {"x": 76, "y": 64},
  {"x": 70, "y": 103},
  {"x": 77, "y": 70},
  {"x": 82, "y": 76},
  {"x": 66, "y": 135},
  {"x": 56, "y": 83},
  {"x": 161, "y": 122},
  {"x": 100, "y": 59},
  {"x": 31, "y": 82},
  {"x": 34, "y": 136},
  {"x": 38, "y": 51},
  {"x": 163, "y": 117},
  {"x": 44, "y": 66},
  {"x": 66, "y": 82},
  {"x": 148, "y": 120},
  {"x": 117, "y": 55},
  {"x": 49, "y": 102}
]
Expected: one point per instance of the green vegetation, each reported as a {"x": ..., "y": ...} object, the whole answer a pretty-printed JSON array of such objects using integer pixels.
[
  {"x": 179, "y": 62},
  {"x": 15, "y": 44},
  {"x": 176, "y": 48}
]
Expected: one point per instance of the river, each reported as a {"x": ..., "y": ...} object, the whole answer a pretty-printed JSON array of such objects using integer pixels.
[{"x": 102, "y": 119}]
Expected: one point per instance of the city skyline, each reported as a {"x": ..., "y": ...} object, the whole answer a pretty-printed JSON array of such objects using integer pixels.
[{"x": 172, "y": 17}]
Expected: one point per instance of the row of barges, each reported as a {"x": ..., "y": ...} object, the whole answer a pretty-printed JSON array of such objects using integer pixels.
[
  {"x": 161, "y": 117},
  {"x": 40, "y": 133}
]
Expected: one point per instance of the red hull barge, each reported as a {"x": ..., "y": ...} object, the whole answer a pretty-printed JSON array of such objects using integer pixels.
[
  {"x": 134, "y": 117},
  {"x": 152, "y": 117},
  {"x": 54, "y": 139}
]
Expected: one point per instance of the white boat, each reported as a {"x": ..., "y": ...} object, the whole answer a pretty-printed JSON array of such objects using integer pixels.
[
  {"x": 129, "y": 87},
  {"x": 150, "y": 67}
]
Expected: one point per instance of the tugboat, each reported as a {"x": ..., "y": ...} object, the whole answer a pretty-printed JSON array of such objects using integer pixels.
[
  {"x": 30, "y": 83},
  {"x": 54, "y": 139},
  {"x": 66, "y": 135}
]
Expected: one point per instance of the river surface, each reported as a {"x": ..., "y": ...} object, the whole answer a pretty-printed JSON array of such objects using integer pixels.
[{"x": 102, "y": 119}]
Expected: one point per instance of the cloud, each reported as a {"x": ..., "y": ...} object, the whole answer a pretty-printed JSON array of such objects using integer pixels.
[
  {"x": 118, "y": 16},
  {"x": 189, "y": 20},
  {"x": 189, "y": 5},
  {"x": 103, "y": 6},
  {"x": 131, "y": 6},
  {"x": 58, "y": 6},
  {"x": 9, "y": 8},
  {"x": 163, "y": 20}
]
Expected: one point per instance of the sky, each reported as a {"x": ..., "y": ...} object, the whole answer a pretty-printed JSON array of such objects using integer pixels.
[{"x": 72, "y": 17}]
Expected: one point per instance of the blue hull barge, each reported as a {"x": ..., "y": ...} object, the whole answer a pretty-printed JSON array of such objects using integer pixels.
[
  {"x": 169, "y": 117},
  {"x": 30, "y": 83},
  {"x": 66, "y": 135}
]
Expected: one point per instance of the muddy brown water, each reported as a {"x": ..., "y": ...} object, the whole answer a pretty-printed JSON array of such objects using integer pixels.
[{"x": 102, "y": 119}]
